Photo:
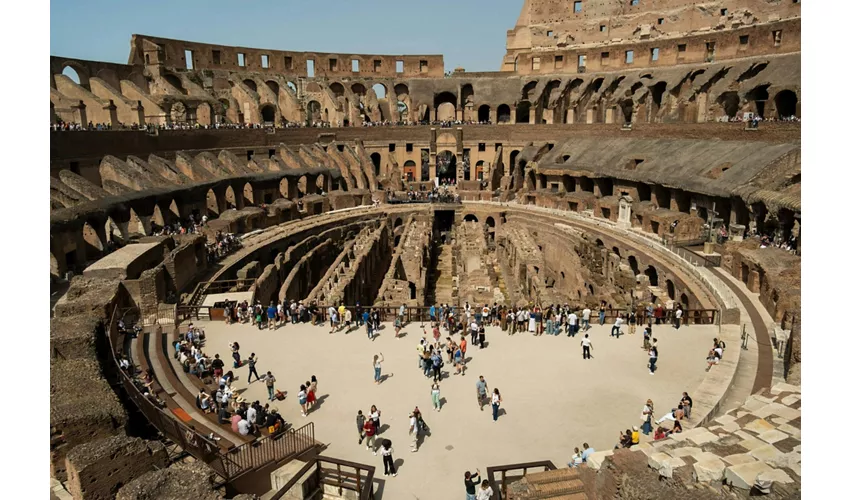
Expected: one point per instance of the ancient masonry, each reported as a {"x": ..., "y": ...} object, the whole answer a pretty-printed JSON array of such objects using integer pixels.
[{"x": 627, "y": 153}]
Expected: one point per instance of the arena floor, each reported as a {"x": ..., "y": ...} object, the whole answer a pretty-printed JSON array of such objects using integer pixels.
[{"x": 553, "y": 400}]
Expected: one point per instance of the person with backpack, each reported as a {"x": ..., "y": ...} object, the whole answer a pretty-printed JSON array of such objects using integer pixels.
[{"x": 437, "y": 365}]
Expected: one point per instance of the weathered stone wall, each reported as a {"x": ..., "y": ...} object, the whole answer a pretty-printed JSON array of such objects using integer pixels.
[{"x": 178, "y": 482}]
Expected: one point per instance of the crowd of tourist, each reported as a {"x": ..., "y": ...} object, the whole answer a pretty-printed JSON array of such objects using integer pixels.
[{"x": 435, "y": 195}]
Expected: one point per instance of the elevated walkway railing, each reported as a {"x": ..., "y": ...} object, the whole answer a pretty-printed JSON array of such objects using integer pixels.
[
  {"x": 506, "y": 477},
  {"x": 341, "y": 475}
]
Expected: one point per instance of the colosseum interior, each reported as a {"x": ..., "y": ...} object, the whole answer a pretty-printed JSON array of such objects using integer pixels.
[{"x": 627, "y": 155}]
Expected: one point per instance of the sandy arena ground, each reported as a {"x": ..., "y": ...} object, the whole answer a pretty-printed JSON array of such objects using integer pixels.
[{"x": 553, "y": 400}]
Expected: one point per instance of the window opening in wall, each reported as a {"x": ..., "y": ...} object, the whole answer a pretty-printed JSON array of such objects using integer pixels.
[
  {"x": 311, "y": 68},
  {"x": 709, "y": 51},
  {"x": 777, "y": 38},
  {"x": 660, "y": 21},
  {"x": 392, "y": 147},
  {"x": 332, "y": 63},
  {"x": 271, "y": 153},
  {"x": 287, "y": 62},
  {"x": 399, "y": 66},
  {"x": 147, "y": 58},
  {"x": 744, "y": 39},
  {"x": 423, "y": 66},
  {"x": 249, "y": 154},
  {"x": 190, "y": 62},
  {"x": 408, "y": 147},
  {"x": 630, "y": 56},
  {"x": 723, "y": 12},
  {"x": 633, "y": 164},
  {"x": 535, "y": 64},
  {"x": 604, "y": 57},
  {"x": 582, "y": 61},
  {"x": 376, "y": 65},
  {"x": 559, "y": 62},
  {"x": 216, "y": 57},
  {"x": 634, "y": 2},
  {"x": 481, "y": 147},
  {"x": 75, "y": 167},
  {"x": 576, "y": 7},
  {"x": 355, "y": 66},
  {"x": 603, "y": 28},
  {"x": 654, "y": 53},
  {"x": 240, "y": 60},
  {"x": 498, "y": 145},
  {"x": 549, "y": 33}
]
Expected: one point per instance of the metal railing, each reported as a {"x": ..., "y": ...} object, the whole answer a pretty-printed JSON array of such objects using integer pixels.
[
  {"x": 205, "y": 288},
  {"x": 505, "y": 479},
  {"x": 230, "y": 465},
  {"x": 340, "y": 474}
]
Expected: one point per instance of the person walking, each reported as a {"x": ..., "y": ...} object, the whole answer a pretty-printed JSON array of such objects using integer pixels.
[
  {"x": 437, "y": 365},
  {"x": 302, "y": 399},
  {"x": 369, "y": 431},
  {"x": 272, "y": 314},
  {"x": 677, "y": 319},
  {"x": 496, "y": 402},
  {"x": 387, "y": 455},
  {"x": 312, "y": 387},
  {"x": 482, "y": 392},
  {"x": 367, "y": 320},
  {"x": 647, "y": 412},
  {"x": 413, "y": 432},
  {"x": 347, "y": 318},
  {"x": 375, "y": 416},
  {"x": 270, "y": 380},
  {"x": 602, "y": 314},
  {"x": 653, "y": 358},
  {"x": 586, "y": 346},
  {"x": 585, "y": 318},
  {"x": 469, "y": 483},
  {"x": 361, "y": 424},
  {"x": 376, "y": 365},
  {"x": 632, "y": 321},
  {"x": 435, "y": 396},
  {"x": 485, "y": 492},
  {"x": 397, "y": 325},
  {"x": 252, "y": 367},
  {"x": 615, "y": 330}
]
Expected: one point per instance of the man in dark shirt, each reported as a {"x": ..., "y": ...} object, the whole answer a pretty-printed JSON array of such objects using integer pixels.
[
  {"x": 470, "y": 484},
  {"x": 217, "y": 366},
  {"x": 687, "y": 403}
]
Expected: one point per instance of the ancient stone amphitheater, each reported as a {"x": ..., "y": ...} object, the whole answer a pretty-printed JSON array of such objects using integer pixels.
[{"x": 627, "y": 153}]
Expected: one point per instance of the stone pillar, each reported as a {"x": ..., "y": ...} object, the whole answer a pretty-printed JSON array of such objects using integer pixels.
[
  {"x": 624, "y": 216},
  {"x": 571, "y": 116},
  {"x": 589, "y": 114}
]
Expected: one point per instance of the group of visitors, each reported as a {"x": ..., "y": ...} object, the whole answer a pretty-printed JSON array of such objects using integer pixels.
[
  {"x": 580, "y": 455},
  {"x": 715, "y": 354},
  {"x": 435, "y": 195},
  {"x": 224, "y": 245}
]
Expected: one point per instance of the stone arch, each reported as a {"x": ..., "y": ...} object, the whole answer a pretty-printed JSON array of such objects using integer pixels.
[
  {"x": 248, "y": 194},
  {"x": 94, "y": 245},
  {"x": 212, "y": 203},
  {"x": 730, "y": 102},
  {"x": 376, "y": 161},
  {"x": 380, "y": 90},
  {"x": 314, "y": 112},
  {"x": 600, "y": 243},
  {"x": 175, "y": 82},
  {"x": 491, "y": 222},
  {"x": 786, "y": 104},
  {"x": 684, "y": 301},
  {"x": 77, "y": 73},
  {"x": 652, "y": 274},
  {"x": 616, "y": 251},
  {"x": 230, "y": 197},
  {"x": 467, "y": 96},
  {"x": 398, "y": 222},
  {"x": 759, "y": 97},
  {"x": 528, "y": 90},
  {"x": 267, "y": 111},
  {"x": 523, "y": 112},
  {"x": 359, "y": 89},
  {"x": 479, "y": 170},
  {"x": 671, "y": 289},
  {"x": 292, "y": 86},
  {"x": 302, "y": 186},
  {"x": 158, "y": 218},
  {"x": 633, "y": 263},
  {"x": 401, "y": 90},
  {"x": 338, "y": 89},
  {"x": 409, "y": 170},
  {"x": 470, "y": 218},
  {"x": 503, "y": 113},
  {"x": 251, "y": 84},
  {"x": 484, "y": 113},
  {"x": 113, "y": 231},
  {"x": 512, "y": 160},
  {"x": 204, "y": 114},
  {"x": 446, "y": 165},
  {"x": 445, "y": 103},
  {"x": 273, "y": 86}
]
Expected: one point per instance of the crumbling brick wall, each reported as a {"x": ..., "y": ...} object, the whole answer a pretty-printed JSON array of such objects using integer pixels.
[{"x": 180, "y": 481}]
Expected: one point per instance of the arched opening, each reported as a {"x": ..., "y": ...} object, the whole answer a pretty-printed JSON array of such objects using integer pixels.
[
  {"x": 445, "y": 103},
  {"x": 402, "y": 110},
  {"x": 292, "y": 87},
  {"x": 175, "y": 82},
  {"x": 72, "y": 74},
  {"x": 398, "y": 222},
  {"x": 600, "y": 243},
  {"x": 273, "y": 86},
  {"x": 512, "y": 160},
  {"x": 302, "y": 186},
  {"x": 93, "y": 242},
  {"x": 314, "y": 112},
  {"x": 627, "y": 107},
  {"x": 616, "y": 251},
  {"x": 376, "y": 161},
  {"x": 523, "y": 112},
  {"x": 358, "y": 89},
  {"x": 251, "y": 84},
  {"x": 503, "y": 114},
  {"x": 248, "y": 194},
  {"x": 230, "y": 197},
  {"x": 446, "y": 167},
  {"x": 412, "y": 287},
  {"x": 479, "y": 170},
  {"x": 491, "y": 223},
  {"x": 204, "y": 114},
  {"x": 338, "y": 89},
  {"x": 759, "y": 96},
  {"x": 267, "y": 112},
  {"x": 671, "y": 290},
  {"x": 786, "y": 104},
  {"x": 401, "y": 90},
  {"x": 409, "y": 170},
  {"x": 380, "y": 90},
  {"x": 633, "y": 264},
  {"x": 528, "y": 91},
  {"x": 396, "y": 240},
  {"x": 652, "y": 274},
  {"x": 484, "y": 113},
  {"x": 212, "y": 203},
  {"x": 730, "y": 102},
  {"x": 683, "y": 300},
  {"x": 470, "y": 218}
]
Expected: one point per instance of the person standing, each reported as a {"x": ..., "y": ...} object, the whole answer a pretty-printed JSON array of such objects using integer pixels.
[
  {"x": 347, "y": 319},
  {"x": 376, "y": 365},
  {"x": 602, "y": 314},
  {"x": 653, "y": 358},
  {"x": 473, "y": 327},
  {"x": 482, "y": 392},
  {"x": 435, "y": 396},
  {"x": 686, "y": 403},
  {"x": 469, "y": 483},
  {"x": 647, "y": 417},
  {"x": 615, "y": 330},
  {"x": 585, "y": 318},
  {"x": 358, "y": 314},
  {"x": 387, "y": 455},
  {"x": 367, "y": 320},
  {"x": 369, "y": 431},
  {"x": 361, "y": 423},
  {"x": 485, "y": 492},
  {"x": 586, "y": 346},
  {"x": 437, "y": 365},
  {"x": 375, "y": 416},
  {"x": 678, "y": 318},
  {"x": 414, "y": 433},
  {"x": 496, "y": 402},
  {"x": 632, "y": 321},
  {"x": 397, "y": 325},
  {"x": 270, "y": 380},
  {"x": 252, "y": 367},
  {"x": 572, "y": 323},
  {"x": 272, "y": 314}
]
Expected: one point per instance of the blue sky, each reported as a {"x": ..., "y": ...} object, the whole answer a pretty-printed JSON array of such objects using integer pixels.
[{"x": 469, "y": 33}]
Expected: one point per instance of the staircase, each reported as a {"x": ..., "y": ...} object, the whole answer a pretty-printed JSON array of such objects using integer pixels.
[{"x": 558, "y": 484}]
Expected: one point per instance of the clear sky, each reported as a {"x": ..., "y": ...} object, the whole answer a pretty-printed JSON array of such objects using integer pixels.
[{"x": 469, "y": 33}]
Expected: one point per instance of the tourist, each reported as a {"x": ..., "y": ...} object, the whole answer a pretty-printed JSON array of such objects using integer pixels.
[
  {"x": 659, "y": 314},
  {"x": 361, "y": 422},
  {"x": 653, "y": 358},
  {"x": 474, "y": 330},
  {"x": 469, "y": 483},
  {"x": 302, "y": 399},
  {"x": 435, "y": 396},
  {"x": 602, "y": 314},
  {"x": 647, "y": 417},
  {"x": 370, "y": 430},
  {"x": 677, "y": 320},
  {"x": 485, "y": 314},
  {"x": 282, "y": 310},
  {"x": 414, "y": 433},
  {"x": 711, "y": 359},
  {"x": 719, "y": 345},
  {"x": 252, "y": 367},
  {"x": 334, "y": 319},
  {"x": 482, "y": 392},
  {"x": 572, "y": 322},
  {"x": 376, "y": 365},
  {"x": 482, "y": 334},
  {"x": 459, "y": 360},
  {"x": 647, "y": 337},
  {"x": 496, "y": 402},
  {"x": 586, "y": 347},
  {"x": 217, "y": 366},
  {"x": 436, "y": 365},
  {"x": 243, "y": 427},
  {"x": 270, "y": 380},
  {"x": 271, "y": 312},
  {"x": 485, "y": 492},
  {"x": 432, "y": 313},
  {"x": 585, "y": 318},
  {"x": 677, "y": 427},
  {"x": 237, "y": 358},
  {"x": 687, "y": 403},
  {"x": 660, "y": 433},
  {"x": 375, "y": 416},
  {"x": 358, "y": 314},
  {"x": 234, "y": 422},
  {"x": 312, "y": 386},
  {"x": 367, "y": 320},
  {"x": 427, "y": 363},
  {"x": 575, "y": 461},
  {"x": 632, "y": 321},
  {"x": 397, "y": 325},
  {"x": 586, "y": 452},
  {"x": 387, "y": 455},
  {"x": 615, "y": 330},
  {"x": 347, "y": 318},
  {"x": 667, "y": 416}
]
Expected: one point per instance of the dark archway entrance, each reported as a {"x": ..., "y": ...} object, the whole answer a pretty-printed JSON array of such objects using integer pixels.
[
  {"x": 268, "y": 114},
  {"x": 446, "y": 167},
  {"x": 503, "y": 113},
  {"x": 376, "y": 161},
  {"x": 484, "y": 113},
  {"x": 652, "y": 274},
  {"x": 786, "y": 104},
  {"x": 523, "y": 112}
]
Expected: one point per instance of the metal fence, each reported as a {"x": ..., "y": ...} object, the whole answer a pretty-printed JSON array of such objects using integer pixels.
[
  {"x": 339, "y": 474},
  {"x": 505, "y": 476}
]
